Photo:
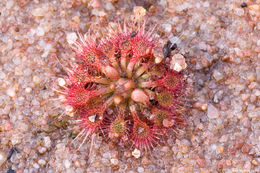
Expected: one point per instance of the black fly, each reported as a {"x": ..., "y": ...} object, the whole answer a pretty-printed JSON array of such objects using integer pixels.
[
  {"x": 133, "y": 34},
  {"x": 167, "y": 48}
]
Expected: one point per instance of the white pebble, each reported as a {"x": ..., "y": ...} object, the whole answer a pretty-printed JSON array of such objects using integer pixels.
[
  {"x": 92, "y": 118},
  {"x": 67, "y": 163},
  {"x": 217, "y": 75},
  {"x": 2, "y": 75},
  {"x": 239, "y": 11},
  {"x": 254, "y": 113},
  {"x": 71, "y": 37},
  {"x": 27, "y": 72},
  {"x": 42, "y": 162},
  {"x": 36, "y": 166},
  {"x": 28, "y": 90},
  {"x": 16, "y": 139},
  {"x": 258, "y": 43},
  {"x": 178, "y": 62},
  {"x": 136, "y": 153},
  {"x": 206, "y": 4},
  {"x": 114, "y": 161},
  {"x": 61, "y": 82},
  {"x": 2, "y": 158},
  {"x": 47, "y": 142},
  {"x": 39, "y": 12},
  {"x": 69, "y": 109},
  {"x": 140, "y": 169},
  {"x": 212, "y": 112},
  {"x": 9, "y": 4},
  {"x": 11, "y": 92},
  {"x": 167, "y": 27},
  {"x": 40, "y": 31},
  {"x": 36, "y": 79},
  {"x": 42, "y": 150}
]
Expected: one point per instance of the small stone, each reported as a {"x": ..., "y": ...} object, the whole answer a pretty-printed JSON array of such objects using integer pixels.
[
  {"x": 61, "y": 82},
  {"x": 228, "y": 162},
  {"x": 47, "y": 142},
  {"x": 114, "y": 161},
  {"x": 139, "y": 12},
  {"x": 238, "y": 52},
  {"x": 258, "y": 73},
  {"x": 36, "y": 166},
  {"x": 247, "y": 165},
  {"x": 165, "y": 149},
  {"x": 217, "y": 75},
  {"x": 42, "y": 150},
  {"x": 193, "y": 138},
  {"x": 71, "y": 37},
  {"x": 254, "y": 9},
  {"x": 27, "y": 72},
  {"x": 220, "y": 149},
  {"x": 205, "y": 63},
  {"x": 254, "y": 162},
  {"x": 5, "y": 126},
  {"x": 218, "y": 96},
  {"x": 42, "y": 162},
  {"x": 201, "y": 162},
  {"x": 145, "y": 161},
  {"x": 98, "y": 12},
  {"x": 204, "y": 106},
  {"x": 40, "y": 31},
  {"x": 113, "y": 1},
  {"x": 200, "y": 106},
  {"x": 11, "y": 92},
  {"x": 178, "y": 62},
  {"x": 127, "y": 154},
  {"x": 239, "y": 11},
  {"x": 136, "y": 153},
  {"x": 212, "y": 112},
  {"x": 254, "y": 113},
  {"x": 168, "y": 123},
  {"x": 36, "y": 80},
  {"x": 67, "y": 163},
  {"x": 95, "y": 4},
  {"x": 77, "y": 163},
  {"x": 173, "y": 169},
  {"x": 28, "y": 90},
  {"x": 257, "y": 93},
  {"x": 245, "y": 97},
  {"x": 2, "y": 75},
  {"x": 246, "y": 148},
  {"x": 9, "y": 4},
  {"x": 2, "y": 158},
  {"x": 39, "y": 12},
  {"x": 92, "y": 118},
  {"x": 252, "y": 85},
  {"x": 251, "y": 77},
  {"x": 158, "y": 59},
  {"x": 227, "y": 58},
  {"x": 258, "y": 43},
  {"x": 16, "y": 139},
  {"x": 184, "y": 149},
  {"x": 140, "y": 169},
  {"x": 167, "y": 27}
]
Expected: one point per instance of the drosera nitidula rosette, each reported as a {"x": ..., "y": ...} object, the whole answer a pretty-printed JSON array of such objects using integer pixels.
[{"x": 122, "y": 88}]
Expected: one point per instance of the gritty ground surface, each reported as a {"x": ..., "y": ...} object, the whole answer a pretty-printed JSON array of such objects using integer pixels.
[{"x": 221, "y": 42}]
